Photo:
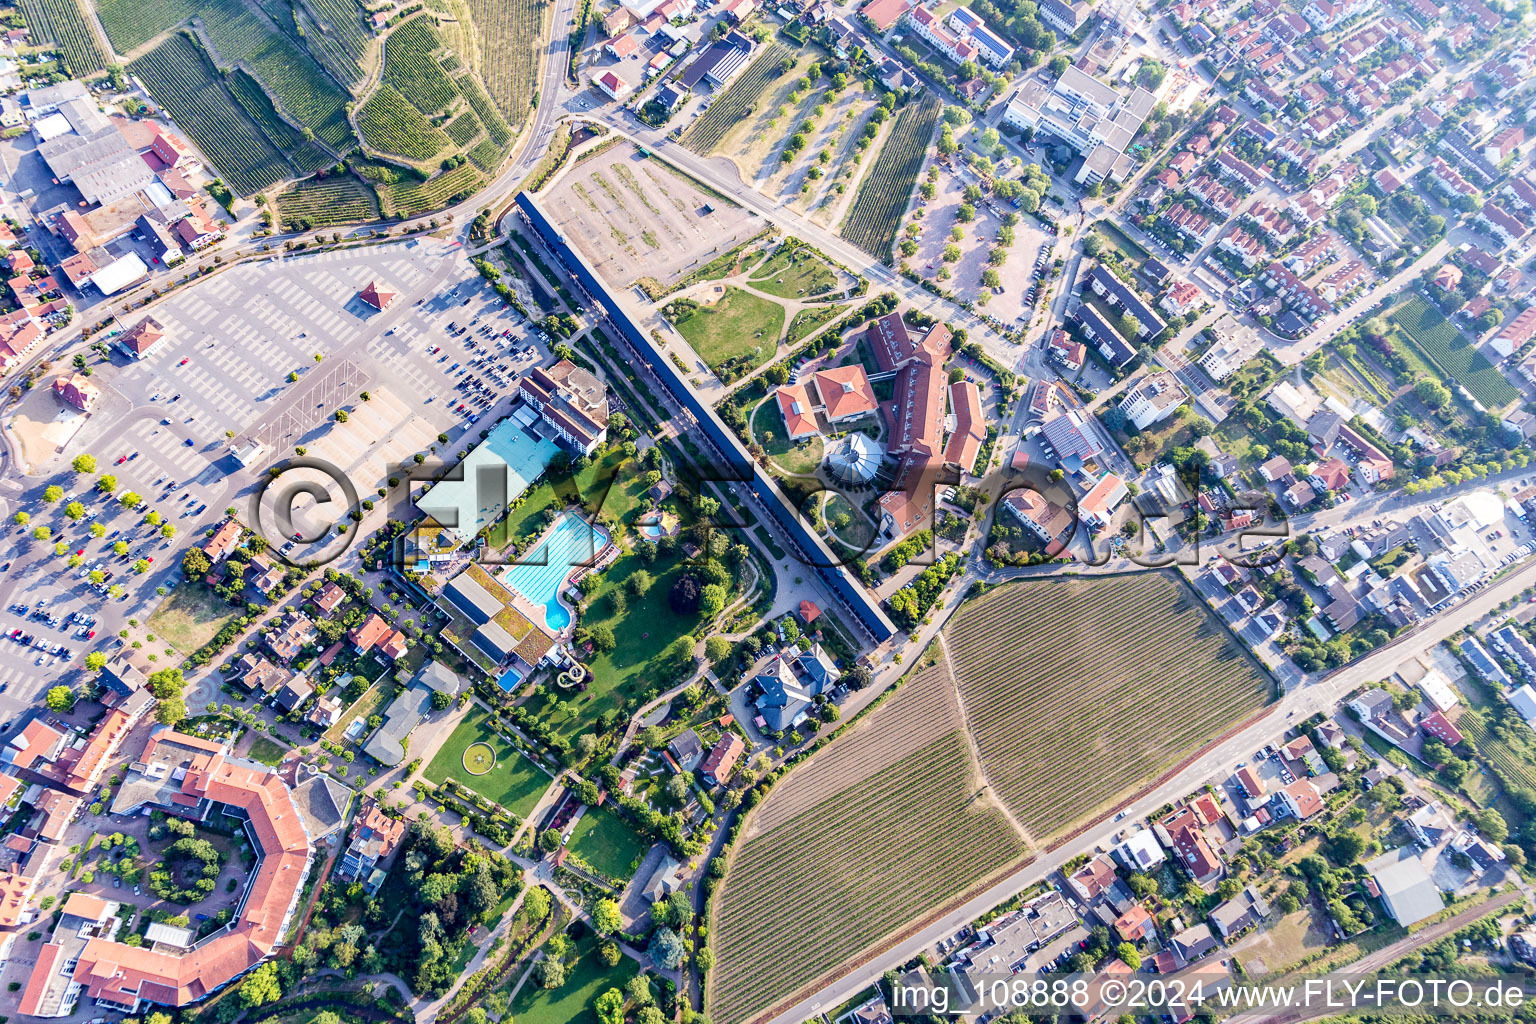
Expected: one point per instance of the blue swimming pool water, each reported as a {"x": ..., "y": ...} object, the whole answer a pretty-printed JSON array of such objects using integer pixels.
[
  {"x": 570, "y": 543},
  {"x": 509, "y": 679}
]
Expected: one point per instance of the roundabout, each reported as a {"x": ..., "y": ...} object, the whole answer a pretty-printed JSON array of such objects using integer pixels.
[{"x": 479, "y": 759}]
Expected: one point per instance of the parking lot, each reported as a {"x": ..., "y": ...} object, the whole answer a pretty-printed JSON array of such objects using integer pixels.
[{"x": 220, "y": 377}]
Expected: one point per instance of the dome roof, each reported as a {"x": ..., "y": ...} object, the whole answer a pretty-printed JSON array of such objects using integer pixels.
[{"x": 854, "y": 459}]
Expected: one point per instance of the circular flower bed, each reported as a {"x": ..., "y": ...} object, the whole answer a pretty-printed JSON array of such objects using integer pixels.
[{"x": 479, "y": 758}]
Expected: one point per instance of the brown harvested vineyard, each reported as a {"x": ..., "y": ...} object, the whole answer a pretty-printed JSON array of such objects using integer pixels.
[
  {"x": 1124, "y": 675},
  {"x": 926, "y": 710},
  {"x": 805, "y": 900}
]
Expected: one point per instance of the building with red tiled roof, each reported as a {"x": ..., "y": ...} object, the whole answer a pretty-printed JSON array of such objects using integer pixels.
[
  {"x": 1300, "y": 799},
  {"x": 845, "y": 392},
  {"x": 721, "y": 762},
  {"x": 76, "y": 391},
  {"x": 188, "y": 776},
  {"x": 969, "y": 429},
  {"x": 171, "y": 149},
  {"x": 370, "y": 634},
  {"x": 376, "y": 296},
  {"x": 1135, "y": 925},
  {"x": 140, "y": 338},
  {"x": 1437, "y": 725},
  {"x": 223, "y": 541},
  {"x": 1187, "y": 838},
  {"x": 882, "y": 14},
  {"x": 38, "y": 744},
  {"x": 330, "y": 597},
  {"x": 809, "y": 612},
  {"x": 797, "y": 409}
]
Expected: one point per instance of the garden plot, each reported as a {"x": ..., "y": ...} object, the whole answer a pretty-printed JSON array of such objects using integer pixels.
[
  {"x": 748, "y": 142},
  {"x": 833, "y": 120},
  {"x": 941, "y": 215},
  {"x": 633, "y": 217}
]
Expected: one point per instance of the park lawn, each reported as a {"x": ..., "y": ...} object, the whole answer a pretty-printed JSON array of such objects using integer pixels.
[
  {"x": 585, "y": 979},
  {"x": 266, "y": 751},
  {"x": 190, "y": 616},
  {"x": 794, "y": 275},
  {"x": 808, "y": 321},
  {"x": 643, "y": 632},
  {"x": 612, "y": 483},
  {"x": 607, "y": 842},
  {"x": 797, "y": 457},
  {"x": 740, "y": 324},
  {"x": 515, "y": 783}
]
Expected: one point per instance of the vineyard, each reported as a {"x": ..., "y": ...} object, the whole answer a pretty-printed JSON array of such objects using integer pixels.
[
  {"x": 297, "y": 83},
  {"x": 875, "y": 216},
  {"x": 410, "y": 65},
  {"x": 408, "y": 198},
  {"x": 347, "y": 38},
  {"x": 391, "y": 125},
  {"x": 1129, "y": 672},
  {"x": 495, "y": 125},
  {"x": 1511, "y": 755},
  {"x": 511, "y": 37},
  {"x": 314, "y": 204},
  {"x": 808, "y": 898},
  {"x": 1450, "y": 351},
  {"x": 305, "y": 156},
  {"x": 62, "y": 23},
  {"x": 178, "y": 73},
  {"x": 132, "y": 23},
  {"x": 463, "y": 129},
  {"x": 735, "y": 103},
  {"x": 486, "y": 155}
]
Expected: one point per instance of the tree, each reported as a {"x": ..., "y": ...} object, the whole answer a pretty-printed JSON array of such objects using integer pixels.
[
  {"x": 106, "y": 483},
  {"x": 717, "y": 649},
  {"x": 1128, "y": 955},
  {"x": 168, "y": 531},
  {"x": 712, "y": 600},
  {"x": 639, "y": 582},
  {"x": 195, "y": 564},
  {"x": 261, "y": 986},
  {"x": 52, "y": 493},
  {"x": 441, "y": 699},
  {"x": 606, "y": 918},
  {"x": 84, "y": 463},
  {"x": 341, "y": 415},
  {"x": 609, "y": 1007},
  {"x": 171, "y": 710},
  {"x": 61, "y": 698},
  {"x": 95, "y": 661},
  {"x": 1128, "y": 324},
  {"x": 684, "y": 596},
  {"x": 677, "y": 786},
  {"x": 536, "y": 902},
  {"x": 21, "y": 518},
  {"x": 1491, "y": 824},
  {"x": 549, "y": 972},
  {"x": 549, "y": 840},
  {"x": 667, "y": 949},
  {"x": 602, "y": 638},
  {"x": 41, "y": 533},
  {"x": 1058, "y": 65},
  {"x": 1432, "y": 393},
  {"x": 75, "y": 511}
]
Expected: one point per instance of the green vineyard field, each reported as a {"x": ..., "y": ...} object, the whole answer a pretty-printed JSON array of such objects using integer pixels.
[
  {"x": 408, "y": 198},
  {"x": 391, "y": 125},
  {"x": 179, "y": 75},
  {"x": 738, "y": 100},
  {"x": 875, "y": 216},
  {"x": 511, "y": 36},
  {"x": 61, "y": 22},
  {"x": 1452, "y": 352},
  {"x": 313, "y": 204}
]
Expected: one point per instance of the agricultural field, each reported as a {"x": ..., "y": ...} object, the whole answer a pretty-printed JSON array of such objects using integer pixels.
[
  {"x": 317, "y": 203},
  {"x": 738, "y": 100},
  {"x": 132, "y": 23},
  {"x": 883, "y": 820},
  {"x": 336, "y": 34},
  {"x": 875, "y": 216},
  {"x": 408, "y": 198},
  {"x": 1498, "y": 741},
  {"x": 1131, "y": 671},
  {"x": 391, "y": 125},
  {"x": 634, "y": 217},
  {"x": 253, "y": 99},
  {"x": 735, "y": 326},
  {"x": 178, "y": 73},
  {"x": 411, "y": 66},
  {"x": 63, "y": 23},
  {"x": 1451, "y": 351},
  {"x": 511, "y": 34},
  {"x": 296, "y": 81}
]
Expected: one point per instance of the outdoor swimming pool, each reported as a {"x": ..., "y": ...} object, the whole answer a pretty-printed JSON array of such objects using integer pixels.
[
  {"x": 651, "y": 530},
  {"x": 509, "y": 679},
  {"x": 569, "y": 544}
]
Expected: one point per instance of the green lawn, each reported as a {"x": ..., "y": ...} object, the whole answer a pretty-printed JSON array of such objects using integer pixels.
[
  {"x": 640, "y": 634},
  {"x": 585, "y": 979},
  {"x": 190, "y": 616},
  {"x": 797, "y": 457},
  {"x": 739, "y": 325},
  {"x": 612, "y": 483},
  {"x": 266, "y": 751},
  {"x": 794, "y": 275},
  {"x": 806, "y": 322},
  {"x": 514, "y": 783},
  {"x": 607, "y": 842}
]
